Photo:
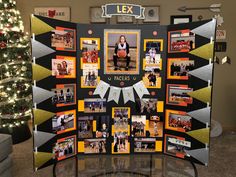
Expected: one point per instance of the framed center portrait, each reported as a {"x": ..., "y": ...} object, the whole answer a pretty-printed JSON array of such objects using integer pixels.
[{"x": 121, "y": 51}]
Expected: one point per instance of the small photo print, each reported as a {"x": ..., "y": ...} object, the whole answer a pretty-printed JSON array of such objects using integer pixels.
[
  {"x": 64, "y": 122},
  {"x": 103, "y": 129},
  {"x": 90, "y": 48},
  {"x": 121, "y": 51},
  {"x": 144, "y": 144},
  {"x": 94, "y": 105},
  {"x": 85, "y": 127},
  {"x": 65, "y": 148},
  {"x": 181, "y": 41},
  {"x": 138, "y": 125},
  {"x": 176, "y": 146},
  {"x": 90, "y": 76},
  {"x": 64, "y": 95},
  {"x": 152, "y": 77},
  {"x": 178, "y": 121},
  {"x": 179, "y": 68},
  {"x": 95, "y": 146},
  {"x": 146, "y": 105},
  {"x": 121, "y": 117},
  {"x": 63, "y": 67},
  {"x": 155, "y": 128},
  {"x": 121, "y": 143},
  {"x": 178, "y": 95},
  {"x": 153, "y": 47},
  {"x": 63, "y": 39}
]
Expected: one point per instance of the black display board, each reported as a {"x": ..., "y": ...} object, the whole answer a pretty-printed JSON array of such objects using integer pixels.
[{"x": 121, "y": 89}]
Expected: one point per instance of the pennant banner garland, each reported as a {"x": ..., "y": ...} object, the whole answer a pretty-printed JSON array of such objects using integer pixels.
[{"x": 114, "y": 93}]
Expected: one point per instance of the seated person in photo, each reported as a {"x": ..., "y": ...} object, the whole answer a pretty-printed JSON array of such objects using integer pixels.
[
  {"x": 61, "y": 97},
  {"x": 121, "y": 51},
  {"x": 55, "y": 98},
  {"x": 69, "y": 96}
]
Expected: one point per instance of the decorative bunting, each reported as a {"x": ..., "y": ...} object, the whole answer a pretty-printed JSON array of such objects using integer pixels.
[
  {"x": 204, "y": 73},
  {"x": 39, "y": 27},
  {"x": 201, "y": 135},
  {"x": 205, "y": 51},
  {"x": 128, "y": 94},
  {"x": 114, "y": 94},
  {"x": 40, "y": 116},
  {"x": 40, "y": 50},
  {"x": 141, "y": 89},
  {"x": 40, "y": 158},
  {"x": 202, "y": 115},
  {"x": 40, "y": 72},
  {"x": 41, "y": 138},
  {"x": 101, "y": 89},
  {"x": 201, "y": 155},
  {"x": 207, "y": 30},
  {"x": 39, "y": 94},
  {"x": 203, "y": 94}
]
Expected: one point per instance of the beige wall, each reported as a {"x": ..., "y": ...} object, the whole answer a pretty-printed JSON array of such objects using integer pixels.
[{"x": 224, "y": 94}]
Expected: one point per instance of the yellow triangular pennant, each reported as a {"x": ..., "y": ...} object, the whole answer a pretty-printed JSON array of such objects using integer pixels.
[
  {"x": 41, "y": 116},
  {"x": 39, "y": 27},
  {"x": 40, "y": 158},
  {"x": 201, "y": 135},
  {"x": 206, "y": 51},
  {"x": 40, "y": 72},
  {"x": 203, "y": 94}
]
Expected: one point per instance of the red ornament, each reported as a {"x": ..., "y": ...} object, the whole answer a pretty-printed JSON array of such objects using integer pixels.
[
  {"x": 122, "y": 83},
  {"x": 154, "y": 33},
  {"x": 153, "y": 93}
]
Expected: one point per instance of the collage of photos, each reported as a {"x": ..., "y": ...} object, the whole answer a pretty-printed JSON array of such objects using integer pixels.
[
  {"x": 90, "y": 76},
  {"x": 90, "y": 48},
  {"x": 177, "y": 94},
  {"x": 138, "y": 128},
  {"x": 181, "y": 41},
  {"x": 103, "y": 129},
  {"x": 65, "y": 148},
  {"x": 144, "y": 144},
  {"x": 94, "y": 105},
  {"x": 64, "y": 122},
  {"x": 178, "y": 121},
  {"x": 146, "y": 105},
  {"x": 64, "y": 95},
  {"x": 64, "y": 39},
  {"x": 121, "y": 51},
  {"x": 152, "y": 64},
  {"x": 179, "y": 68},
  {"x": 176, "y": 146},
  {"x": 121, "y": 143},
  {"x": 95, "y": 146},
  {"x": 85, "y": 127},
  {"x": 64, "y": 67},
  {"x": 90, "y": 62},
  {"x": 121, "y": 117}
]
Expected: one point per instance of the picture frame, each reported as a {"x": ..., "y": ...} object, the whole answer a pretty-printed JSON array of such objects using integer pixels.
[
  {"x": 152, "y": 14},
  {"x": 124, "y": 19},
  {"x": 96, "y": 15},
  {"x": 178, "y": 19}
]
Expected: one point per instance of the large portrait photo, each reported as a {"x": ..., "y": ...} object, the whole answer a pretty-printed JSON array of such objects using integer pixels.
[{"x": 121, "y": 51}]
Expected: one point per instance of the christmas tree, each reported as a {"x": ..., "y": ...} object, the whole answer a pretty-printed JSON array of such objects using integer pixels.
[{"x": 15, "y": 69}]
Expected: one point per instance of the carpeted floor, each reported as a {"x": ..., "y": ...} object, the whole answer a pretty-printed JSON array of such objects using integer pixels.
[{"x": 222, "y": 159}]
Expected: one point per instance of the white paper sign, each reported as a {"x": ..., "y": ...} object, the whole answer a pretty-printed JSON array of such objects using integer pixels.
[
  {"x": 114, "y": 94},
  {"x": 128, "y": 94},
  {"x": 141, "y": 89},
  {"x": 60, "y": 13},
  {"x": 101, "y": 89}
]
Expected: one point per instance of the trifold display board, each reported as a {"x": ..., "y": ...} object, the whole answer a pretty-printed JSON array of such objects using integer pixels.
[{"x": 121, "y": 89}]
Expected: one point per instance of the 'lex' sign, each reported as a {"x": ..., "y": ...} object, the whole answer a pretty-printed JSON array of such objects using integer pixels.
[{"x": 123, "y": 9}]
